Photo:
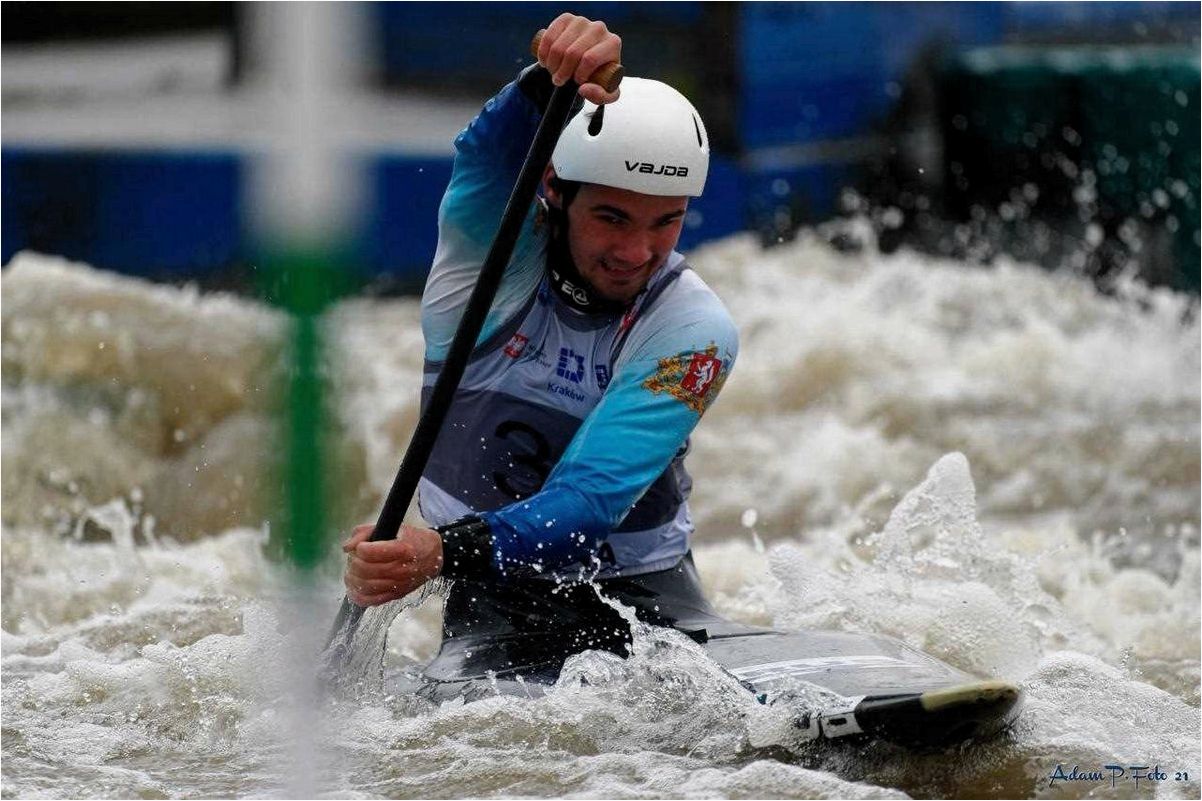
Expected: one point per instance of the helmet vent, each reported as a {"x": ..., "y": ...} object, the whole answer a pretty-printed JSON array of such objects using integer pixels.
[
  {"x": 598, "y": 119},
  {"x": 697, "y": 128}
]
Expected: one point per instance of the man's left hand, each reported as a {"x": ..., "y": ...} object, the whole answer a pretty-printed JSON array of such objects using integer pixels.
[{"x": 379, "y": 572}]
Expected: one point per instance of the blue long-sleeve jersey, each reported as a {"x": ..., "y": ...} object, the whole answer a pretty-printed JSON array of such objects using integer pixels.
[{"x": 568, "y": 431}]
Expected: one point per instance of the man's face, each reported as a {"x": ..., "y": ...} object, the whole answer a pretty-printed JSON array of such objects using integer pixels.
[{"x": 619, "y": 238}]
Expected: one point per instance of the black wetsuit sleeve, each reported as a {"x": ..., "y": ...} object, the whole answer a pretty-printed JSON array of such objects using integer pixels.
[{"x": 467, "y": 548}]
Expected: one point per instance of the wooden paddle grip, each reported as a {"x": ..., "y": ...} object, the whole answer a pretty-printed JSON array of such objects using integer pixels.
[{"x": 607, "y": 76}]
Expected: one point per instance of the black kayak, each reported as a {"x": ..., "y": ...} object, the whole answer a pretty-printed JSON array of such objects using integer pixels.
[{"x": 514, "y": 639}]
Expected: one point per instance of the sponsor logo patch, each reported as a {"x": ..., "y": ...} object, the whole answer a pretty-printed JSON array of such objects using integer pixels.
[
  {"x": 571, "y": 365},
  {"x": 602, "y": 373},
  {"x": 692, "y": 378},
  {"x": 517, "y": 344}
]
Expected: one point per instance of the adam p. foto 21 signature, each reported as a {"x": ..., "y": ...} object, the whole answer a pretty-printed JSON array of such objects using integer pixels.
[{"x": 1116, "y": 773}]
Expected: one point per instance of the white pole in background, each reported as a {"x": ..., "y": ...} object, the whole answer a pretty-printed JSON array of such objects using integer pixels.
[{"x": 307, "y": 61}]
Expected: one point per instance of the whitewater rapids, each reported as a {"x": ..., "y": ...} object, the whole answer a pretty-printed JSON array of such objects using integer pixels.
[{"x": 999, "y": 466}]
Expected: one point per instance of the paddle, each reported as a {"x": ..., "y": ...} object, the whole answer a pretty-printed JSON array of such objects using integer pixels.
[{"x": 428, "y": 426}]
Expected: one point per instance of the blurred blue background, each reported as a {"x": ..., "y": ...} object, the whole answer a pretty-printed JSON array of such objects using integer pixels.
[{"x": 1064, "y": 133}]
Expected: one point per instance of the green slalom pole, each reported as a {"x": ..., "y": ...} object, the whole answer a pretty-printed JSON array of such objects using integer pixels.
[
  {"x": 304, "y": 282},
  {"x": 306, "y": 424}
]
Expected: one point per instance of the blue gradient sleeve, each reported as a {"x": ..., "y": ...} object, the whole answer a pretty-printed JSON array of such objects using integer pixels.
[
  {"x": 490, "y": 152},
  {"x": 657, "y": 396}
]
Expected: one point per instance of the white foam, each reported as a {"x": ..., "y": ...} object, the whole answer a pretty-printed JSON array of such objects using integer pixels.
[{"x": 928, "y": 450}]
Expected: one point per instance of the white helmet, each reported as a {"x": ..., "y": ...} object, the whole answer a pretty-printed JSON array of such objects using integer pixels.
[{"x": 650, "y": 140}]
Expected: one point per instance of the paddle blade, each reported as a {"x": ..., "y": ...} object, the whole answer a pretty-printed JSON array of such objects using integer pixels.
[{"x": 353, "y": 660}]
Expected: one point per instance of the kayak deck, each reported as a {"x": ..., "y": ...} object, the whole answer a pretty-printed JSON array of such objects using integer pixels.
[{"x": 874, "y": 686}]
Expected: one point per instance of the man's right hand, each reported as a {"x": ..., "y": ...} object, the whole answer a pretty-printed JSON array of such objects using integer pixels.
[
  {"x": 575, "y": 47},
  {"x": 382, "y": 571}
]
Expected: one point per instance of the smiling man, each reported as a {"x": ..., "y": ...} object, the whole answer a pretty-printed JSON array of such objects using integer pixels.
[{"x": 559, "y": 470}]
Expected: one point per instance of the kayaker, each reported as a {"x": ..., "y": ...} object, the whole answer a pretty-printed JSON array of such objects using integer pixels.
[{"x": 559, "y": 468}]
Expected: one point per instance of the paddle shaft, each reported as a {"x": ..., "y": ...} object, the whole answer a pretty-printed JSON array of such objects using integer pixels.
[{"x": 478, "y": 305}]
